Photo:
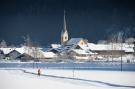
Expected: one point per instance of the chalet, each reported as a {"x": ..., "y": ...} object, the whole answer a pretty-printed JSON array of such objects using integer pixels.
[{"x": 13, "y": 54}]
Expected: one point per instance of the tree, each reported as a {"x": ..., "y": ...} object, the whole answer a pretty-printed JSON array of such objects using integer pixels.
[
  {"x": 130, "y": 40},
  {"x": 112, "y": 41},
  {"x": 32, "y": 49},
  {"x": 120, "y": 39},
  {"x": 29, "y": 46},
  {"x": 3, "y": 44},
  {"x": 116, "y": 40},
  {"x": 27, "y": 41}
]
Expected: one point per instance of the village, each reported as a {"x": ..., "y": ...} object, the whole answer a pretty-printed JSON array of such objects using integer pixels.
[
  {"x": 77, "y": 49},
  {"x": 67, "y": 44}
]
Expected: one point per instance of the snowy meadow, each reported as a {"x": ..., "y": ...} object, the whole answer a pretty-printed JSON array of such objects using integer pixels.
[{"x": 65, "y": 76}]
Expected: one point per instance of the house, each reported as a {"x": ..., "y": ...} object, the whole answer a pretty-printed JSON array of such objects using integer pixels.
[
  {"x": 7, "y": 50},
  {"x": 2, "y": 56},
  {"x": 35, "y": 52},
  {"x": 111, "y": 50},
  {"x": 54, "y": 50},
  {"x": 76, "y": 48},
  {"x": 13, "y": 55},
  {"x": 25, "y": 57}
]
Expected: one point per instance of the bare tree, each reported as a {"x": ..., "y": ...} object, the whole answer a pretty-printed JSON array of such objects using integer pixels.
[
  {"x": 35, "y": 51},
  {"x": 111, "y": 41},
  {"x": 3, "y": 44},
  {"x": 32, "y": 49},
  {"x": 27, "y": 44},
  {"x": 130, "y": 40},
  {"x": 116, "y": 40},
  {"x": 27, "y": 41},
  {"x": 121, "y": 39}
]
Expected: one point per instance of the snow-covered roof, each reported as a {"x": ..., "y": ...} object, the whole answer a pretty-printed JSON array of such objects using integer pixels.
[
  {"x": 63, "y": 48},
  {"x": 20, "y": 50},
  {"x": 14, "y": 51},
  {"x": 49, "y": 54},
  {"x": 85, "y": 47},
  {"x": 115, "y": 46},
  {"x": 74, "y": 41},
  {"x": 71, "y": 45},
  {"x": 129, "y": 49},
  {"x": 93, "y": 46},
  {"x": 7, "y": 50},
  {"x": 30, "y": 51},
  {"x": 86, "y": 52},
  {"x": 55, "y": 45}
]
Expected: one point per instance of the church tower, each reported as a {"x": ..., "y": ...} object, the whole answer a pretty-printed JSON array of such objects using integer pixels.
[{"x": 64, "y": 33}]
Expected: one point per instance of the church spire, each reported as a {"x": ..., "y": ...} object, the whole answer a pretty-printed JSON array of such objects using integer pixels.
[
  {"x": 64, "y": 33},
  {"x": 64, "y": 25}
]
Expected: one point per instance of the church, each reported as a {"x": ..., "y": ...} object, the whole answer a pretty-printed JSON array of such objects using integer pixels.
[
  {"x": 64, "y": 33},
  {"x": 76, "y": 48}
]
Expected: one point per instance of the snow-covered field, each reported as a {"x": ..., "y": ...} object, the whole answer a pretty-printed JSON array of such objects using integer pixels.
[{"x": 65, "y": 79}]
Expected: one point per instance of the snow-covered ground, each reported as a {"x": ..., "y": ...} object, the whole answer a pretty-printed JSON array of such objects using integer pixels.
[{"x": 65, "y": 79}]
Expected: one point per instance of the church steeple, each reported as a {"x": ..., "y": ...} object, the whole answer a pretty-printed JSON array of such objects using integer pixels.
[
  {"x": 65, "y": 27},
  {"x": 64, "y": 33}
]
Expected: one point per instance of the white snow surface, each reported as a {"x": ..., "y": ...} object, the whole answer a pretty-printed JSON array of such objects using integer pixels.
[{"x": 66, "y": 79}]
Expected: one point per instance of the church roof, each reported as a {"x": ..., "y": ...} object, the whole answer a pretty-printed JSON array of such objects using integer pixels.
[{"x": 74, "y": 41}]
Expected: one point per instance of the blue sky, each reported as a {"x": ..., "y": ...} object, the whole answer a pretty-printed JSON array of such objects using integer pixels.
[{"x": 43, "y": 19}]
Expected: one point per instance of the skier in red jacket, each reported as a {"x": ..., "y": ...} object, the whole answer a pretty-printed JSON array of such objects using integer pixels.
[{"x": 39, "y": 72}]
